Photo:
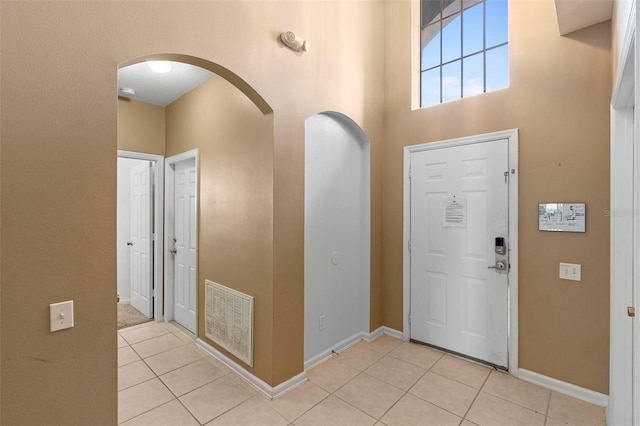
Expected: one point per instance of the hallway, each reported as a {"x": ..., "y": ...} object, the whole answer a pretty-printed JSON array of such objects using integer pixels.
[{"x": 165, "y": 379}]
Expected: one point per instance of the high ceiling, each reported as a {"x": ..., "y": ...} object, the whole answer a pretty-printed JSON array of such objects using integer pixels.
[
  {"x": 162, "y": 89},
  {"x": 575, "y": 15}
]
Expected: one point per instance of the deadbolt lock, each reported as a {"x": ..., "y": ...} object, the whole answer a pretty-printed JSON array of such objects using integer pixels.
[{"x": 631, "y": 311}]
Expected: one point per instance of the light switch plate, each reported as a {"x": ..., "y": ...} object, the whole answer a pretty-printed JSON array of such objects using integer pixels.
[
  {"x": 571, "y": 271},
  {"x": 61, "y": 315}
]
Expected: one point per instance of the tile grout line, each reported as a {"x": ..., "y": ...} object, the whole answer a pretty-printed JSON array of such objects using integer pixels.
[
  {"x": 462, "y": 418},
  {"x": 351, "y": 405},
  {"x": 484, "y": 382},
  {"x": 144, "y": 340},
  {"x": 394, "y": 404},
  {"x": 226, "y": 372},
  {"x": 158, "y": 353},
  {"x": 150, "y": 409},
  {"x": 139, "y": 383},
  {"x": 405, "y": 392},
  {"x": 175, "y": 397},
  {"x": 360, "y": 374},
  {"x": 546, "y": 413},
  {"x": 516, "y": 403},
  {"x": 157, "y": 376},
  {"x": 144, "y": 381}
]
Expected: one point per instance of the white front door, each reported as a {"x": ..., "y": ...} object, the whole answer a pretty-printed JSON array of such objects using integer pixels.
[
  {"x": 459, "y": 206},
  {"x": 184, "y": 239},
  {"x": 141, "y": 239}
]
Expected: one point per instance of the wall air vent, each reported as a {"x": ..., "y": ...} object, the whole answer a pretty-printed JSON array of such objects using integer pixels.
[{"x": 229, "y": 320}]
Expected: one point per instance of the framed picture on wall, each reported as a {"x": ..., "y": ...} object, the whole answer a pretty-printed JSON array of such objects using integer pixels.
[{"x": 562, "y": 217}]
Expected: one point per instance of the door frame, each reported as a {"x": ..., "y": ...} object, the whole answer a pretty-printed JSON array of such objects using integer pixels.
[
  {"x": 168, "y": 228},
  {"x": 624, "y": 216},
  {"x": 158, "y": 228},
  {"x": 512, "y": 137}
]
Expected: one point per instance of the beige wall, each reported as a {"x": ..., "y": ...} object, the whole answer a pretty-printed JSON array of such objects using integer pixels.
[
  {"x": 58, "y": 162},
  {"x": 559, "y": 100},
  {"x": 140, "y": 127},
  {"x": 235, "y": 235}
]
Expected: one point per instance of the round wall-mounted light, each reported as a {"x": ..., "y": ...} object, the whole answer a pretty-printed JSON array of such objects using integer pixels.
[
  {"x": 127, "y": 91},
  {"x": 161, "y": 67}
]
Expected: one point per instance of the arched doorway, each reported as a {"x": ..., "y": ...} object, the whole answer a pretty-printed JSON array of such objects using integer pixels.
[
  {"x": 230, "y": 128},
  {"x": 337, "y": 234}
]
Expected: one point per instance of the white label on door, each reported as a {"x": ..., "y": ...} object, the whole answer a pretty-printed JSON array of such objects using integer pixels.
[{"x": 455, "y": 213}]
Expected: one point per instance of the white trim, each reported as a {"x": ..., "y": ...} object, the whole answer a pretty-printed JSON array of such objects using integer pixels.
[
  {"x": 635, "y": 267},
  {"x": 565, "y": 388},
  {"x": 406, "y": 236},
  {"x": 624, "y": 234},
  {"x": 622, "y": 93},
  {"x": 512, "y": 137},
  {"x": 384, "y": 330},
  {"x": 416, "y": 48},
  {"x": 513, "y": 348},
  {"x": 158, "y": 220},
  {"x": 365, "y": 243},
  {"x": 187, "y": 155},
  {"x": 168, "y": 228},
  {"x": 261, "y": 385},
  {"x": 620, "y": 410},
  {"x": 337, "y": 348},
  {"x": 350, "y": 341}
]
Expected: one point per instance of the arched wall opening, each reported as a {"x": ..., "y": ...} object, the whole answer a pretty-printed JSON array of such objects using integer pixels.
[
  {"x": 231, "y": 127},
  {"x": 336, "y": 235},
  {"x": 217, "y": 69}
]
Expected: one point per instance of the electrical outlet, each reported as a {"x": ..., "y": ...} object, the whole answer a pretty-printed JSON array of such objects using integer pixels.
[
  {"x": 321, "y": 323},
  {"x": 61, "y": 315},
  {"x": 571, "y": 271}
]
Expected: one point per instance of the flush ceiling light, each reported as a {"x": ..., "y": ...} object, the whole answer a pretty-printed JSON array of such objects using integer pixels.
[
  {"x": 161, "y": 67},
  {"x": 126, "y": 91}
]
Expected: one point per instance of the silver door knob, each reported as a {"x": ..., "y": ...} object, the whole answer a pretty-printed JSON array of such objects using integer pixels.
[{"x": 499, "y": 266}]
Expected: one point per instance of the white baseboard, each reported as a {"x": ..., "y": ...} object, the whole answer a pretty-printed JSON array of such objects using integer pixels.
[
  {"x": 261, "y": 385},
  {"x": 282, "y": 388},
  {"x": 384, "y": 330},
  {"x": 337, "y": 348},
  {"x": 564, "y": 387},
  {"x": 350, "y": 341},
  {"x": 124, "y": 302}
]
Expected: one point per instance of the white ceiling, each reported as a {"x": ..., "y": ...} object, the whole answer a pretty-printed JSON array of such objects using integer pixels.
[
  {"x": 575, "y": 15},
  {"x": 160, "y": 89}
]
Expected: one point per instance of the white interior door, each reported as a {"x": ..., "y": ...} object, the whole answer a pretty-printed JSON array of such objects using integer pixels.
[
  {"x": 141, "y": 239},
  {"x": 184, "y": 239},
  {"x": 459, "y": 206}
]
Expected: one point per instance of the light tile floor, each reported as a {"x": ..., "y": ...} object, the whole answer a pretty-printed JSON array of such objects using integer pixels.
[{"x": 165, "y": 379}]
